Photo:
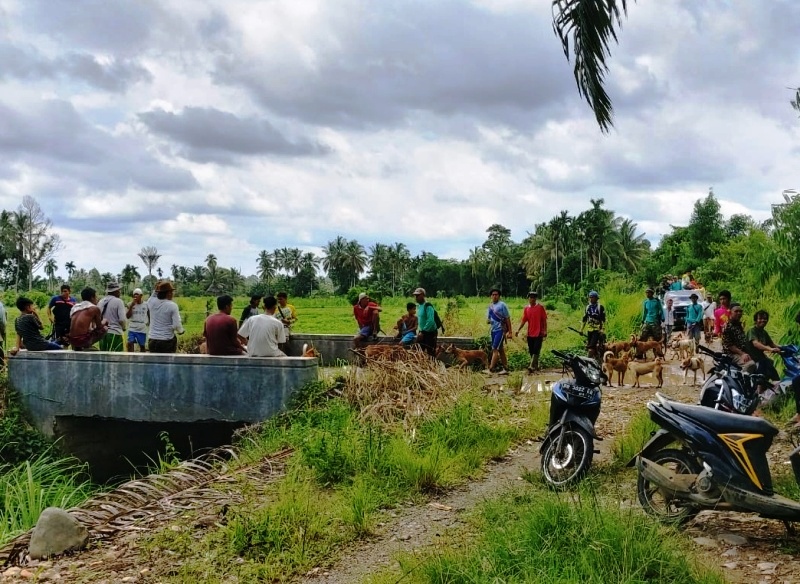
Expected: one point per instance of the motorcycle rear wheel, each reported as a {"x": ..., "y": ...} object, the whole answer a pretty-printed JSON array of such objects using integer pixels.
[
  {"x": 658, "y": 503},
  {"x": 564, "y": 468}
]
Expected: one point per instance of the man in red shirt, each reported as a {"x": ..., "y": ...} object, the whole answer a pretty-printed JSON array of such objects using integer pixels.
[
  {"x": 367, "y": 315},
  {"x": 220, "y": 330},
  {"x": 536, "y": 317}
]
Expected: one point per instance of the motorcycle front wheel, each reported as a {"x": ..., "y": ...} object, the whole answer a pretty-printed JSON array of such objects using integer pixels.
[
  {"x": 658, "y": 502},
  {"x": 566, "y": 458}
]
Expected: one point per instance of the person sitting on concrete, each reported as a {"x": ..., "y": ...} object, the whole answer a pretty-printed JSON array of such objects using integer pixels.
[
  {"x": 112, "y": 309},
  {"x": 29, "y": 329},
  {"x": 251, "y": 309},
  {"x": 407, "y": 326},
  {"x": 367, "y": 314},
  {"x": 165, "y": 320},
  {"x": 264, "y": 333},
  {"x": 220, "y": 330},
  {"x": 86, "y": 323}
]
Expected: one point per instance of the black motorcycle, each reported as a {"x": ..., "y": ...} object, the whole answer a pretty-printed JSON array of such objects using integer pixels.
[
  {"x": 703, "y": 458},
  {"x": 727, "y": 387},
  {"x": 568, "y": 447}
]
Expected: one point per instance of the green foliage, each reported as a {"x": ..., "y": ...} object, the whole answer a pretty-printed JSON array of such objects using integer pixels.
[
  {"x": 544, "y": 537},
  {"x": 28, "y": 488},
  {"x": 705, "y": 229},
  {"x": 19, "y": 440},
  {"x": 635, "y": 434}
]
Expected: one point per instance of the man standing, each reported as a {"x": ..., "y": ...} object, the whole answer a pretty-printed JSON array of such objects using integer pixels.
[
  {"x": 652, "y": 316},
  {"x": 264, "y": 333},
  {"x": 722, "y": 312},
  {"x": 29, "y": 328},
  {"x": 138, "y": 318},
  {"x": 709, "y": 306},
  {"x": 287, "y": 314},
  {"x": 165, "y": 320},
  {"x": 251, "y": 309},
  {"x": 536, "y": 317},
  {"x": 87, "y": 325},
  {"x": 499, "y": 318},
  {"x": 594, "y": 318},
  {"x": 112, "y": 309},
  {"x": 220, "y": 330},
  {"x": 694, "y": 319},
  {"x": 58, "y": 311},
  {"x": 668, "y": 320},
  {"x": 427, "y": 333},
  {"x": 367, "y": 315}
]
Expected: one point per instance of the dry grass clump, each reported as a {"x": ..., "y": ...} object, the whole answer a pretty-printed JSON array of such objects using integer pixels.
[{"x": 408, "y": 390}]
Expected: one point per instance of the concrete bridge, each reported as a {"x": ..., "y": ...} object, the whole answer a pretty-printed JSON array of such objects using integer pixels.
[{"x": 154, "y": 387}]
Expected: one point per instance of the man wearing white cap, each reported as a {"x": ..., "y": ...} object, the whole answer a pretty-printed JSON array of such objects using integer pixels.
[
  {"x": 112, "y": 310},
  {"x": 367, "y": 315},
  {"x": 138, "y": 319}
]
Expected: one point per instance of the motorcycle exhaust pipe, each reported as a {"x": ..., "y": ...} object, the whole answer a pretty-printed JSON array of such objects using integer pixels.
[{"x": 677, "y": 484}]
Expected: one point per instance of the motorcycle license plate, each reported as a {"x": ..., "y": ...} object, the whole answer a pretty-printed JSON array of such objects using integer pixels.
[{"x": 580, "y": 391}]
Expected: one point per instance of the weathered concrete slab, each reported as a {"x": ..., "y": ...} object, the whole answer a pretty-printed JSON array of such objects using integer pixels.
[
  {"x": 335, "y": 349},
  {"x": 154, "y": 388}
]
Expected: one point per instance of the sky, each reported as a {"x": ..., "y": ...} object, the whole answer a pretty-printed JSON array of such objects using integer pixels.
[{"x": 232, "y": 127}]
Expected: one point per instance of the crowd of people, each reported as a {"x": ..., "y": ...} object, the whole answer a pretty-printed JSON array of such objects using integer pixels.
[{"x": 152, "y": 325}]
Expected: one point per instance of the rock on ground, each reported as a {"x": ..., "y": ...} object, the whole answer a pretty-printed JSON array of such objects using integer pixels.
[{"x": 56, "y": 532}]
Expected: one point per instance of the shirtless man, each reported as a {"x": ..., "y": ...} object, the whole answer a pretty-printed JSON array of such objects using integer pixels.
[{"x": 86, "y": 323}]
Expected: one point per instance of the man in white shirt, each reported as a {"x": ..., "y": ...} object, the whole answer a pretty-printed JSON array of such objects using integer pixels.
[
  {"x": 112, "y": 310},
  {"x": 165, "y": 320},
  {"x": 709, "y": 306},
  {"x": 263, "y": 333},
  {"x": 138, "y": 319}
]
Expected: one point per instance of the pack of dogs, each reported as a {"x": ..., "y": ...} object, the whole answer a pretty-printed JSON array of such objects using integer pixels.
[{"x": 620, "y": 357}]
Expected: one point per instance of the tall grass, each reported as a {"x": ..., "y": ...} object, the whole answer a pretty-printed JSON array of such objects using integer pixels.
[
  {"x": 543, "y": 538},
  {"x": 635, "y": 434},
  {"x": 28, "y": 488}
]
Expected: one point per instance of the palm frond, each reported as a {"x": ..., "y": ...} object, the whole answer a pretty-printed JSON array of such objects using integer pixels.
[{"x": 590, "y": 26}]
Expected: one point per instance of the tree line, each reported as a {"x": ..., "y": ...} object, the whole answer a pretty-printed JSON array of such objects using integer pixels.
[{"x": 564, "y": 257}]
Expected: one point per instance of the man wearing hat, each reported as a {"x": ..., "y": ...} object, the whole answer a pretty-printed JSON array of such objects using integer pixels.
[
  {"x": 112, "y": 310},
  {"x": 427, "y": 332},
  {"x": 652, "y": 316},
  {"x": 138, "y": 319},
  {"x": 367, "y": 315},
  {"x": 165, "y": 320},
  {"x": 694, "y": 318},
  {"x": 535, "y": 315}
]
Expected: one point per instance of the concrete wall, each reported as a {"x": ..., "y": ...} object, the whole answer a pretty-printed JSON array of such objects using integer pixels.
[
  {"x": 154, "y": 388},
  {"x": 336, "y": 348}
]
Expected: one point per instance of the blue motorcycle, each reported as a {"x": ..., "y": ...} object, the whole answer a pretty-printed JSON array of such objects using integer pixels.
[{"x": 568, "y": 446}]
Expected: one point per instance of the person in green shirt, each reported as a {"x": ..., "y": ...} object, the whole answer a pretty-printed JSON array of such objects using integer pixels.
[
  {"x": 694, "y": 319},
  {"x": 652, "y": 315}
]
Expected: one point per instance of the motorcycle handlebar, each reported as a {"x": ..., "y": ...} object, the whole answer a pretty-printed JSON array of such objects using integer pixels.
[{"x": 561, "y": 355}]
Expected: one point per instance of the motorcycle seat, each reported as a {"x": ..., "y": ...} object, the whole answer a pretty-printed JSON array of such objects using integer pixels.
[{"x": 724, "y": 422}]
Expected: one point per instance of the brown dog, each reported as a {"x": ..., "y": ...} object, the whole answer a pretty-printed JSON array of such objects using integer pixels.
[
  {"x": 618, "y": 347},
  {"x": 310, "y": 351},
  {"x": 693, "y": 364},
  {"x": 642, "y": 347},
  {"x": 654, "y": 367},
  {"x": 384, "y": 352},
  {"x": 619, "y": 365},
  {"x": 465, "y": 357}
]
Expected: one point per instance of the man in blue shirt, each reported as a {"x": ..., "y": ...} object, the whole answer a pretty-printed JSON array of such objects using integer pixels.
[
  {"x": 694, "y": 319},
  {"x": 499, "y": 318}
]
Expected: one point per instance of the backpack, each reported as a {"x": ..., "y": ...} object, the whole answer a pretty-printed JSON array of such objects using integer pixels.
[{"x": 436, "y": 318}]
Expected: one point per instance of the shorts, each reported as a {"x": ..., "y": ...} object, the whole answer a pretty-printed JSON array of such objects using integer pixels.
[
  {"x": 365, "y": 331},
  {"x": 498, "y": 337},
  {"x": 138, "y": 338},
  {"x": 535, "y": 345},
  {"x": 408, "y": 338},
  {"x": 158, "y": 346},
  {"x": 111, "y": 342}
]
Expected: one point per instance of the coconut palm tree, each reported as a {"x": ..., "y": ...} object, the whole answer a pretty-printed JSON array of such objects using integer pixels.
[
  {"x": 70, "y": 267},
  {"x": 149, "y": 256},
  {"x": 212, "y": 277},
  {"x": 50, "y": 268},
  {"x": 588, "y": 27},
  {"x": 130, "y": 275},
  {"x": 633, "y": 248},
  {"x": 399, "y": 262},
  {"x": 333, "y": 260},
  {"x": 266, "y": 268},
  {"x": 355, "y": 260}
]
